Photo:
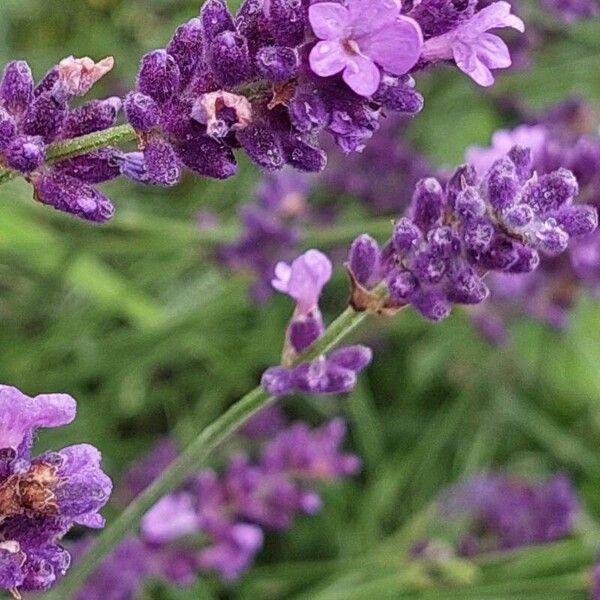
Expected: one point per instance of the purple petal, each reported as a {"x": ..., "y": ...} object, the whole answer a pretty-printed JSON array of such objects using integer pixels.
[
  {"x": 20, "y": 414},
  {"x": 493, "y": 16},
  {"x": 468, "y": 62},
  {"x": 396, "y": 47},
  {"x": 362, "y": 75},
  {"x": 328, "y": 58},
  {"x": 367, "y": 15},
  {"x": 329, "y": 20}
]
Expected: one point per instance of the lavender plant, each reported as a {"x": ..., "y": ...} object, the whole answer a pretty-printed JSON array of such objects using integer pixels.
[{"x": 270, "y": 81}]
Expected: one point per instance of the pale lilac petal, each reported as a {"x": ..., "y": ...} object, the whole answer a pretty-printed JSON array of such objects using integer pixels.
[
  {"x": 20, "y": 414},
  {"x": 468, "y": 62},
  {"x": 329, "y": 20},
  {"x": 493, "y": 51},
  {"x": 493, "y": 16},
  {"x": 397, "y": 47},
  {"x": 367, "y": 15},
  {"x": 304, "y": 279},
  {"x": 283, "y": 273},
  {"x": 362, "y": 76},
  {"x": 328, "y": 58}
]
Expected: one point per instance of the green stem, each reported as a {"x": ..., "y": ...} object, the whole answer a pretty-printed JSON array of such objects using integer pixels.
[
  {"x": 192, "y": 459},
  {"x": 58, "y": 151},
  {"x": 187, "y": 232}
]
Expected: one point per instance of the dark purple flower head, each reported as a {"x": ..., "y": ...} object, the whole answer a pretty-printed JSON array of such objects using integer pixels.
[
  {"x": 42, "y": 497},
  {"x": 30, "y": 119},
  {"x": 507, "y": 512},
  {"x": 549, "y": 293},
  {"x": 500, "y": 220},
  {"x": 266, "y": 55}
]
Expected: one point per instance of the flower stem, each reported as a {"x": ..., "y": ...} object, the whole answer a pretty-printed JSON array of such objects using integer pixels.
[
  {"x": 58, "y": 151},
  {"x": 192, "y": 459}
]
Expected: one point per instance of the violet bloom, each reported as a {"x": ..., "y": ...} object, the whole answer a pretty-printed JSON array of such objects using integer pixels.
[
  {"x": 304, "y": 279},
  {"x": 360, "y": 37},
  {"x": 42, "y": 497},
  {"x": 551, "y": 291},
  {"x": 216, "y": 521},
  {"x": 507, "y": 512},
  {"x": 475, "y": 51}
]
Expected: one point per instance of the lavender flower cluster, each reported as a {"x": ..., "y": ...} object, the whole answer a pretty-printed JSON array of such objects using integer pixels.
[
  {"x": 42, "y": 497},
  {"x": 34, "y": 116},
  {"x": 501, "y": 221},
  {"x": 303, "y": 280},
  {"x": 216, "y": 521},
  {"x": 260, "y": 82},
  {"x": 565, "y": 136},
  {"x": 268, "y": 80},
  {"x": 505, "y": 512}
]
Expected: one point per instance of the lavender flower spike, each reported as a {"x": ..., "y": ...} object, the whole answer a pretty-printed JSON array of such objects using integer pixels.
[
  {"x": 304, "y": 279},
  {"x": 359, "y": 38},
  {"x": 475, "y": 51}
]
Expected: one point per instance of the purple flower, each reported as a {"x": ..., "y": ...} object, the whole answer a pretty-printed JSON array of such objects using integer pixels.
[
  {"x": 216, "y": 521},
  {"x": 361, "y": 37},
  {"x": 42, "y": 497},
  {"x": 500, "y": 221},
  {"x": 507, "y": 512},
  {"x": 475, "y": 51},
  {"x": 304, "y": 279}
]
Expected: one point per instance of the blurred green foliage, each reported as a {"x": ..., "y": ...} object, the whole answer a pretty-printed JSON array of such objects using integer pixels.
[{"x": 135, "y": 320}]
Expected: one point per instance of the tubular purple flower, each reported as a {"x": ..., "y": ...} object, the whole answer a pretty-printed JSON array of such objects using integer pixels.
[
  {"x": 475, "y": 51},
  {"x": 304, "y": 279},
  {"x": 359, "y": 38}
]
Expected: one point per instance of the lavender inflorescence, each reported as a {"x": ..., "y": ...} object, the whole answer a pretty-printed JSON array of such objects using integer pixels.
[
  {"x": 42, "y": 497},
  {"x": 303, "y": 280},
  {"x": 34, "y": 116},
  {"x": 269, "y": 80},
  {"x": 498, "y": 221},
  {"x": 216, "y": 521},
  {"x": 506, "y": 512},
  {"x": 563, "y": 137}
]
